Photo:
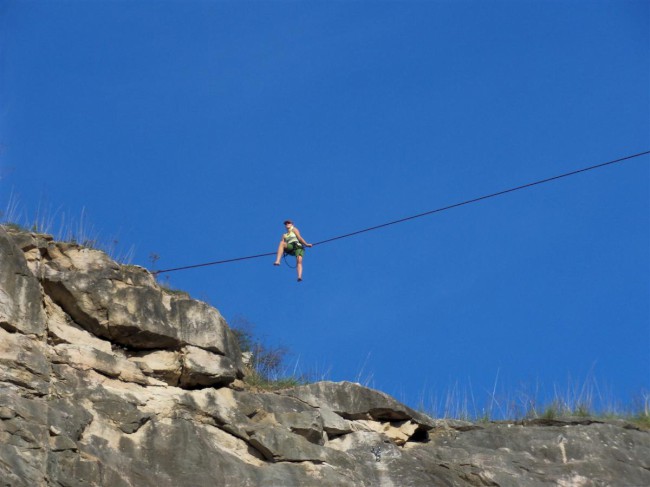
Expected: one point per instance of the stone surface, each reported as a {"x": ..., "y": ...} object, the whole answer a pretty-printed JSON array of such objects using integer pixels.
[
  {"x": 20, "y": 294},
  {"x": 203, "y": 368},
  {"x": 163, "y": 365},
  {"x": 107, "y": 379},
  {"x": 24, "y": 363},
  {"x": 352, "y": 401},
  {"x": 122, "y": 304},
  {"x": 572, "y": 454},
  {"x": 24, "y": 437}
]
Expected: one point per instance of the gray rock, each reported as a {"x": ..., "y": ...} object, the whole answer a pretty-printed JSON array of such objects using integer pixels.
[
  {"x": 308, "y": 424},
  {"x": 356, "y": 402},
  {"x": 62, "y": 443},
  {"x": 24, "y": 363},
  {"x": 513, "y": 455},
  {"x": 68, "y": 417},
  {"x": 203, "y": 368},
  {"x": 126, "y": 416},
  {"x": 352, "y": 401},
  {"x": 278, "y": 444},
  {"x": 86, "y": 357},
  {"x": 163, "y": 365},
  {"x": 333, "y": 424},
  {"x": 70, "y": 469},
  {"x": 23, "y": 439},
  {"x": 128, "y": 307},
  {"x": 20, "y": 295}
]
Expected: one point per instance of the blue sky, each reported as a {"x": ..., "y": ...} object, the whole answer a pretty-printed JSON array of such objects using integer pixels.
[{"x": 193, "y": 129}]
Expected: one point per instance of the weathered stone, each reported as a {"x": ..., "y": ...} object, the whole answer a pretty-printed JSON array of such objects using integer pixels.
[
  {"x": 20, "y": 295},
  {"x": 511, "y": 455},
  {"x": 127, "y": 306},
  {"x": 201, "y": 325},
  {"x": 86, "y": 357},
  {"x": 333, "y": 424},
  {"x": 180, "y": 452},
  {"x": 68, "y": 418},
  {"x": 220, "y": 404},
  {"x": 133, "y": 317},
  {"x": 21, "y": 467},
  {"x": 70, "y": 469},
  {"x": 278, "y": 444},
  {"x": 23, "y": 439},
  {"x": 163, "y": 365},
  {"x": 61, "y": 443},
  {"x": 7, "y": 413},
  {"x": 28, "y": 241},
  {"x": 308, "y": 424},
  {"x": 353, "y": 401},
  {"x": 126, "y": 416},
  {"x": 61, "y": 329},
  {"x": 399, "y": 431},
  {"x": 203, "y": 368},
  {"x": 378, "y": 461},
  {"x": 23, "y": 362}
]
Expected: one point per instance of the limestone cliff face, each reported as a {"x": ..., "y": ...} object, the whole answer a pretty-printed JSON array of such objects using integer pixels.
[{"x": 106, "y": 379}]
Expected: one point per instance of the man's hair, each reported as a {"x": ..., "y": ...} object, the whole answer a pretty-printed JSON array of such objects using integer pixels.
[{"x": 288, "y": 221}]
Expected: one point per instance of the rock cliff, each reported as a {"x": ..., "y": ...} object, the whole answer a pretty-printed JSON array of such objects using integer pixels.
[{"x": 107, "y": 379}]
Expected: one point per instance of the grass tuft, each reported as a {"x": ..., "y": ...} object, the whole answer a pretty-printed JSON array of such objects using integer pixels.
[
  {"x": 63, "y": 228},
  {"x": 265, "y": 365},
  {"x": 586, "y": 399}
]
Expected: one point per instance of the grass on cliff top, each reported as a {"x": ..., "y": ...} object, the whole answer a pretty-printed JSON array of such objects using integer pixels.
[
  {"x": 576, "y": 400},
  {"x": 63, "y": 228}
]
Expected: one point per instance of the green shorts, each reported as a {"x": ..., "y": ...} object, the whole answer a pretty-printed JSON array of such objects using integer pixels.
[{"x": 294, "y": 249}]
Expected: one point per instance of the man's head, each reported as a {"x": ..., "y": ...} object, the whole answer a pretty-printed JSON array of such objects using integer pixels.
[{"x": 288, "y": 222}]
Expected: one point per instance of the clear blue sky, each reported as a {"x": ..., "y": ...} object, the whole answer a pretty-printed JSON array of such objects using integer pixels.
[{"x": 193, "y": 129}]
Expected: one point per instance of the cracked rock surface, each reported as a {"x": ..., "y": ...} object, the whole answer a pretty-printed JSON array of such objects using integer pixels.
[{"x": 106, "y": 379}]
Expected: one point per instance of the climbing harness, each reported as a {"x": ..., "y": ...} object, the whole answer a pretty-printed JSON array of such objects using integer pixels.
[
  {"x": 291, "y": 250},
  {"x": 293, "y": 247}
]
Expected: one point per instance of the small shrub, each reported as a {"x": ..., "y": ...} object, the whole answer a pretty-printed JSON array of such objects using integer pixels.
[
  {"x": 265, "y": 369},
  {"x": 256, "y": 381},
  {"x": 642, "y": 420},
  {"x": 552, "y": 411},
  {"x": 173, "y": 292},
  {"x": 582, "y": 411}
]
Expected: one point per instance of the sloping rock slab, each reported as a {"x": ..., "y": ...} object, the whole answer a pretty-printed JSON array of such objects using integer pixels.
[
  {"x": 353, "y": 401},
  {"x": 513, "y": 455}
]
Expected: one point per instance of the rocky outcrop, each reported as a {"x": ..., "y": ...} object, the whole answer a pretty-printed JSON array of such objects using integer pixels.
[{"x": 108, "y": 379}]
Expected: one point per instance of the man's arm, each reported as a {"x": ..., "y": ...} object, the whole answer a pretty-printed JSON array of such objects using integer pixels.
[{"x": 299, "y": 237}]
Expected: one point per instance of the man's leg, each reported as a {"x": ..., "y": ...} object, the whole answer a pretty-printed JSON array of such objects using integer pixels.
[
  {"x": 299, "y": 266},
  {"x": 281, "y": 247}
]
